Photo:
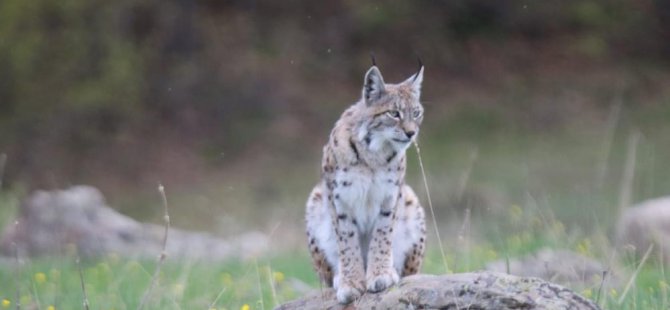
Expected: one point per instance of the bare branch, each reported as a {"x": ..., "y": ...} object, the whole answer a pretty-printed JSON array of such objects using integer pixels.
[{"x": 163, "y": 255}]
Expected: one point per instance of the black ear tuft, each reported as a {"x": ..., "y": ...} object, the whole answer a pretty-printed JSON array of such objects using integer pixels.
[
  {"x": 372, "y": 57},
  {"x": 418, "y": 70}
]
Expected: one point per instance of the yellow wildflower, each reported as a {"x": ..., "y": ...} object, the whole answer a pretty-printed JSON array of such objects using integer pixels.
[
  {"x": 584, "y": 247},
  {"x": 40, "y": 277},
  {"x": 516, "y": 212},
  {"x": 245, "y": 307},
  {"x": 51, "y": 308},
  {"x": 227, "y": 279},
  {"x": 537, "y": 222},
  {"x": 278, "y": 276},
  {"x": 133, "y": 266},
  {"x": 613, "y": 293},
  {"x": 113, "y": 258},
  {"x": 6, "y": 303},
  {"x": 71, "y": 249},
  {"x": 25, "y": 299},
  {"x": 54, "y": 274},
  {"x": 558, "y": 227},
  {"x": 104, "y": 267},
  {"x": 514, "y": 241},
  {"x": 491, "y": 254},
  {"x": 178, "y": 289}
]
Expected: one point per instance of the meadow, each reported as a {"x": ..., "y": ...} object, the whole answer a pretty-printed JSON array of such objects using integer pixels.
[{"x": 499, "y": 193}]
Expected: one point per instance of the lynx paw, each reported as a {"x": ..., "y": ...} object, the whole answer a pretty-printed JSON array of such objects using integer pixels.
[
  {"x": 346, "y": 292},
  {"x": 381, "y": 280}
]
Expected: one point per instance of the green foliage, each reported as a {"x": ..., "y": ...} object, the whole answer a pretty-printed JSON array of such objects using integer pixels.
[
  {"x": 83, "y": 78},
  {"x": 67, "y": 56}
]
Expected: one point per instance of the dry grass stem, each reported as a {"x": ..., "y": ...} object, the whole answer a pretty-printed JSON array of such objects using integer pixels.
[
  {"x": 271, "y": 279},
  {"x": 626, "y": 189},
  {"x": 600, "y": 288},
  {"x": 634, "y": 276},
  {"x": 465, "y": 177},
  {"x": 3, "y": 161},
  {"x": 507, "y": 264},
  {"x": 218, "y": 296},
  {"x": 163, "y": 255},
  {"x": 664, "y": 288},
  {"x": 464, "y": 236},
  {"x": 430, "y": 205},
  {"x": 606, "y": 150},
  {"x": 610, "y": 263},
  {"x": 260, "y": 288},
  {"x": 83, "y": 286},
  {"x": 17, "y": 272}
]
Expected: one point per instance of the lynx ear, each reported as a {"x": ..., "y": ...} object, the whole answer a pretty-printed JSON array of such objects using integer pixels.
[
  {"x": 373, "y": 88},
  {"x": 415, "y": 80}
]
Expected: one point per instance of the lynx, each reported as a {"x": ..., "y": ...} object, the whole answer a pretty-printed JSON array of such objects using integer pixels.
[{"x": 365, "y": 226}]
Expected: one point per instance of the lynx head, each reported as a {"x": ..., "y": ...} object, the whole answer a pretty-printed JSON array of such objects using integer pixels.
[{"x": 393, "y": 111}]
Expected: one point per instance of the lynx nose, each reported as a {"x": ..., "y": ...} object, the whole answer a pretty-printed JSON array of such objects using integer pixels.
[{"x": 410, "y": 133}]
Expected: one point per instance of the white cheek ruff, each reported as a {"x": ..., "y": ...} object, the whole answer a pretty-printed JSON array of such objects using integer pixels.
[{"x": 361, "y": 132}]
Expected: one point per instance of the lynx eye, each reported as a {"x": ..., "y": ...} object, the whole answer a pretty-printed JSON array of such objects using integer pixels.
[
  {"x": 393, "y": 113},
  {"x": 417, "y": 113}
]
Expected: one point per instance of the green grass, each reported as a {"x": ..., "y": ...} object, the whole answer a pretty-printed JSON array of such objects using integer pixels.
[
  {"x": 527, "y": 189},
  {"x": 113, "y": 283},
  {"x": 269, "y": 280}
]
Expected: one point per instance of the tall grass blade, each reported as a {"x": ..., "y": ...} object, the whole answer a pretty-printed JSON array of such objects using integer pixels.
[{"x": 430, "y": 205}]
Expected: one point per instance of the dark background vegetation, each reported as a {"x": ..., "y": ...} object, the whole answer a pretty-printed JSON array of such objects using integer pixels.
[{"x": 228, "y": 102}]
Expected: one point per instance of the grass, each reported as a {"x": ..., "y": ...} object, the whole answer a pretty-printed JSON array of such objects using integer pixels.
[
  {"x": 114, "y": 283},
  {"x": 266, "y": 281}
]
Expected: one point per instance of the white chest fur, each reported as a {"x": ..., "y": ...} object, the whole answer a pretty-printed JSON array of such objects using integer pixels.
[{"x": 363, "y": 193}]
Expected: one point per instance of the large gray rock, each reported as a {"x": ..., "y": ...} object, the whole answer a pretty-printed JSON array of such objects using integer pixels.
[
  {"x": 479, "y": 290},
  {"x": 61, "y": 221},
  {"x": 645, "y": 224},
  {"x": 560, "y": 266}
]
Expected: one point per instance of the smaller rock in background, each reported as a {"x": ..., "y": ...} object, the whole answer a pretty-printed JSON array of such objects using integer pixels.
[
  {"x": 78, "y": 219},
  {"x": 645, "y": 224},
  {"x": 561, "y": 266}
]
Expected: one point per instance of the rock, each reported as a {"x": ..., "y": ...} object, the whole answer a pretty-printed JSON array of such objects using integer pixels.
[
  {"x": 478, "y": 290},
  {"x": 645, "y": 224},
  {"x": 62, "y": 221},
  {"x": 560, "y": 266}
]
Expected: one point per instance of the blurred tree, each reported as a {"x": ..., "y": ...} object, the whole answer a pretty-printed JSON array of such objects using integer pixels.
[{"x": 116, "y": 81}]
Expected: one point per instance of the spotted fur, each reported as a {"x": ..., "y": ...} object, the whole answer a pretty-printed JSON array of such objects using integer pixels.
[{"x": 365, "y": 226}]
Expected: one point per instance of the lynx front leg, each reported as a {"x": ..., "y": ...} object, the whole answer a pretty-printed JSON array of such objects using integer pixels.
[
  {"x": 349, "y": 281},
  {"x": 380, "y": 272}
]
